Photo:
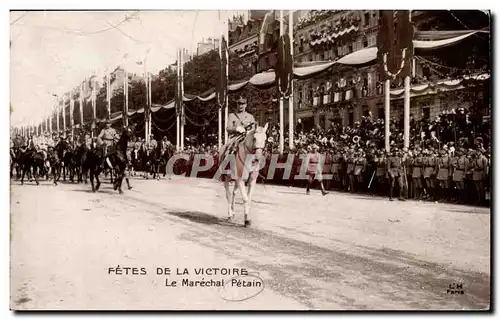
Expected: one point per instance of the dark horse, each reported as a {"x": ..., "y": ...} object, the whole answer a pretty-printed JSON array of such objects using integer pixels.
[
  {"x": 55, "y": 164},
  {"x": 156, "y": 159},
  {"x": 118, "y": 159},
  {"x": 32, "y": 160},
  {"x": 92, "y": 163}
]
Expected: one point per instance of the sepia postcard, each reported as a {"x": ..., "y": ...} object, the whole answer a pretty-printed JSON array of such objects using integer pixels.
[{"x": 250, "y": 160}]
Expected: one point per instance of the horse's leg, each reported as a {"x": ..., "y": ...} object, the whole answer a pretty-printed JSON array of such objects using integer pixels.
[
  {"x": 97, "y": 171},
  {"x": 35, "y": 173},
  {"x": 229, "y": 197},
  {"x": 54, "y": 173},
  {"x": 251, "y": 188},
  {"x": 92, "y": 179},
  {"x": 128, "y": 183},
  {"x": 121, "y": 175},
  {"x": 244, "y": 195},
  {"x": 23, "y": 173}
]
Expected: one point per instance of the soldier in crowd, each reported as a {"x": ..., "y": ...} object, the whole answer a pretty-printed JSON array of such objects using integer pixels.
[
  {"x": 395, "y": 172},
  {"x": 416, "y": 174},
  {"x": 152, "y": 144},
  {"x": 359, "y": 169},
  {"x": 379, "y": 176},
  {"x": 335, "y": 169},
  {"x": 480, "y": 169},
  {"x": 459, "y": 165},
  {"x": 443, "y": 175},
  {"x": 107, "y": 137},
  {"x": 350, "y": 161}
]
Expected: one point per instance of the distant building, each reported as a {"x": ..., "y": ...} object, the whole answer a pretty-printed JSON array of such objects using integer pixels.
[{"x": 206, "y": 46}]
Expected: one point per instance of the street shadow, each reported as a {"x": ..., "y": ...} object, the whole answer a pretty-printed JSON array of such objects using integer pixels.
[
  {"x": 201, "y": 217},
  {"x": 97, "y": 192},
  {"x": 396, "y": 275},
  {"x": 470, "y": 211}
]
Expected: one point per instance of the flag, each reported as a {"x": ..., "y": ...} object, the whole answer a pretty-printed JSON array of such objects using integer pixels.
[
  {"x": 222, "y": 77},
  {"x": 267, "y": 31}
]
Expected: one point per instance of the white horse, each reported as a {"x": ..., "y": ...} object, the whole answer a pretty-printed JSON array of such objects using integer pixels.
[{"x": 253, "y": 144}]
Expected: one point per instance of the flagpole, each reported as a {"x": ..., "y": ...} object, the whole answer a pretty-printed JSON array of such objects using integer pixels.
[
  {"x": 64, "y": 114},
  {"x": 406, "y": 114},
  {"x": 71, "y": 111},
  {"x": 291, "y": 122},
  {"x": 282, "y": 143},
  {"x": 387, "y": 113},
  {"x": 58, "y": 107},
  {"x": 226, "y": 90},
  {"x": 94, "y": 113},
  {"x": 108, "y": 93},
  {"x": 150, "y": 102},
  {"x": 125, "y": 94},
  {"x": 178, "y": 106},
  {"x": 219, "y": 107},
  {"x": 81, "y": 107},
  {"x": 183, "y": 119}
]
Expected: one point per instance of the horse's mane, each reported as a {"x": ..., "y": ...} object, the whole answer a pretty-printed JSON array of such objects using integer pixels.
[{"x": 123, "y": 141}]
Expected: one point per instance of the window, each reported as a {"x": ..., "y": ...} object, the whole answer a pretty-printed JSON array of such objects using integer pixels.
[
  {"x": 426, "y": 72},
  {"x": 381, "y": 111},
  {"x": 322, "y": 121},
  {"x": 426, "y": 113},
  {"x": 349, "y": 48},
  {"x": 310, "y": 57},
  {"x": 366, "y": 111},
  {"x": 365, "y": 42},
  {"x": 322, "y": 56},
  {"x": 351, "y": 118},
  {"x": 367, "y": 19}
]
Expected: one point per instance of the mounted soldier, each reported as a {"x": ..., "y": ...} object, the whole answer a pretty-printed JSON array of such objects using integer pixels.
[
  {"x": 107, "y": 137},
  {"x": 238, "y": 123}
]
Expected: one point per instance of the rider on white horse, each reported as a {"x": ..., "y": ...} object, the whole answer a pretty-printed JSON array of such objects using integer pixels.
[{"x": 237, "y": 124}]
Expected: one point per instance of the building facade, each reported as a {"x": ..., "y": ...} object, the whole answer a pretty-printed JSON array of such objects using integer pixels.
[{"x": 345, "y": 93}]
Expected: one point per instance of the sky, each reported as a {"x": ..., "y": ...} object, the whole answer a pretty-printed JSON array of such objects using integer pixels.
[{"x": 52, "y": 52}]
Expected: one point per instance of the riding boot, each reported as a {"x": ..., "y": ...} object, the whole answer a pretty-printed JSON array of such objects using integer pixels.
[
  {"x": 390, "y": 192},
  {"x": 128, "y": 183},
  {"x": 323, "y": 191},
  {"x": 308, "y": 188}
]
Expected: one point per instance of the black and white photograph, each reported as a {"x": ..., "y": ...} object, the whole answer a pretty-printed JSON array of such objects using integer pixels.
[{"x": 250, "y": 160}]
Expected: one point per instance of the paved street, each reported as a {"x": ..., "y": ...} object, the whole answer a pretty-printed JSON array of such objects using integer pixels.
[{"x": 341, "y": 251}]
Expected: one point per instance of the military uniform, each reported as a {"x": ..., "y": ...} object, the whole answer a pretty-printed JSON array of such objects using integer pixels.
[
  {"x": 480, "y": 174},
  {"x": 396, "y": 173},
  {"x": 237, "y": 122},
  {"x": 443, "y": 175},
  {"x": 416, "y": 175},
  {"x": 430, "y": 165},
  {"x": 359, "y": 168},
  {"x": 351, "y": 160},
  {"x": 336, "y": 158},
  {"x": 107, "y": 137}
]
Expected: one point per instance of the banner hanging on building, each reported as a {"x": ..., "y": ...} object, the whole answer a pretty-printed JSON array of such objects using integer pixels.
[{"x": 395, "y": 44}]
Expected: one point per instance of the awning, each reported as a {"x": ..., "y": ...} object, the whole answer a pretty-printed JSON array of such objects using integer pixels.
[
  {"x": 436, "y": 44},
  {"x": 359, "y": 57},
  {"x": 262, "y": 79},
  {"x": 441, "y": 85},
  {"x": 312, "y": 70},
  {"x": 441, "y": 35}
]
